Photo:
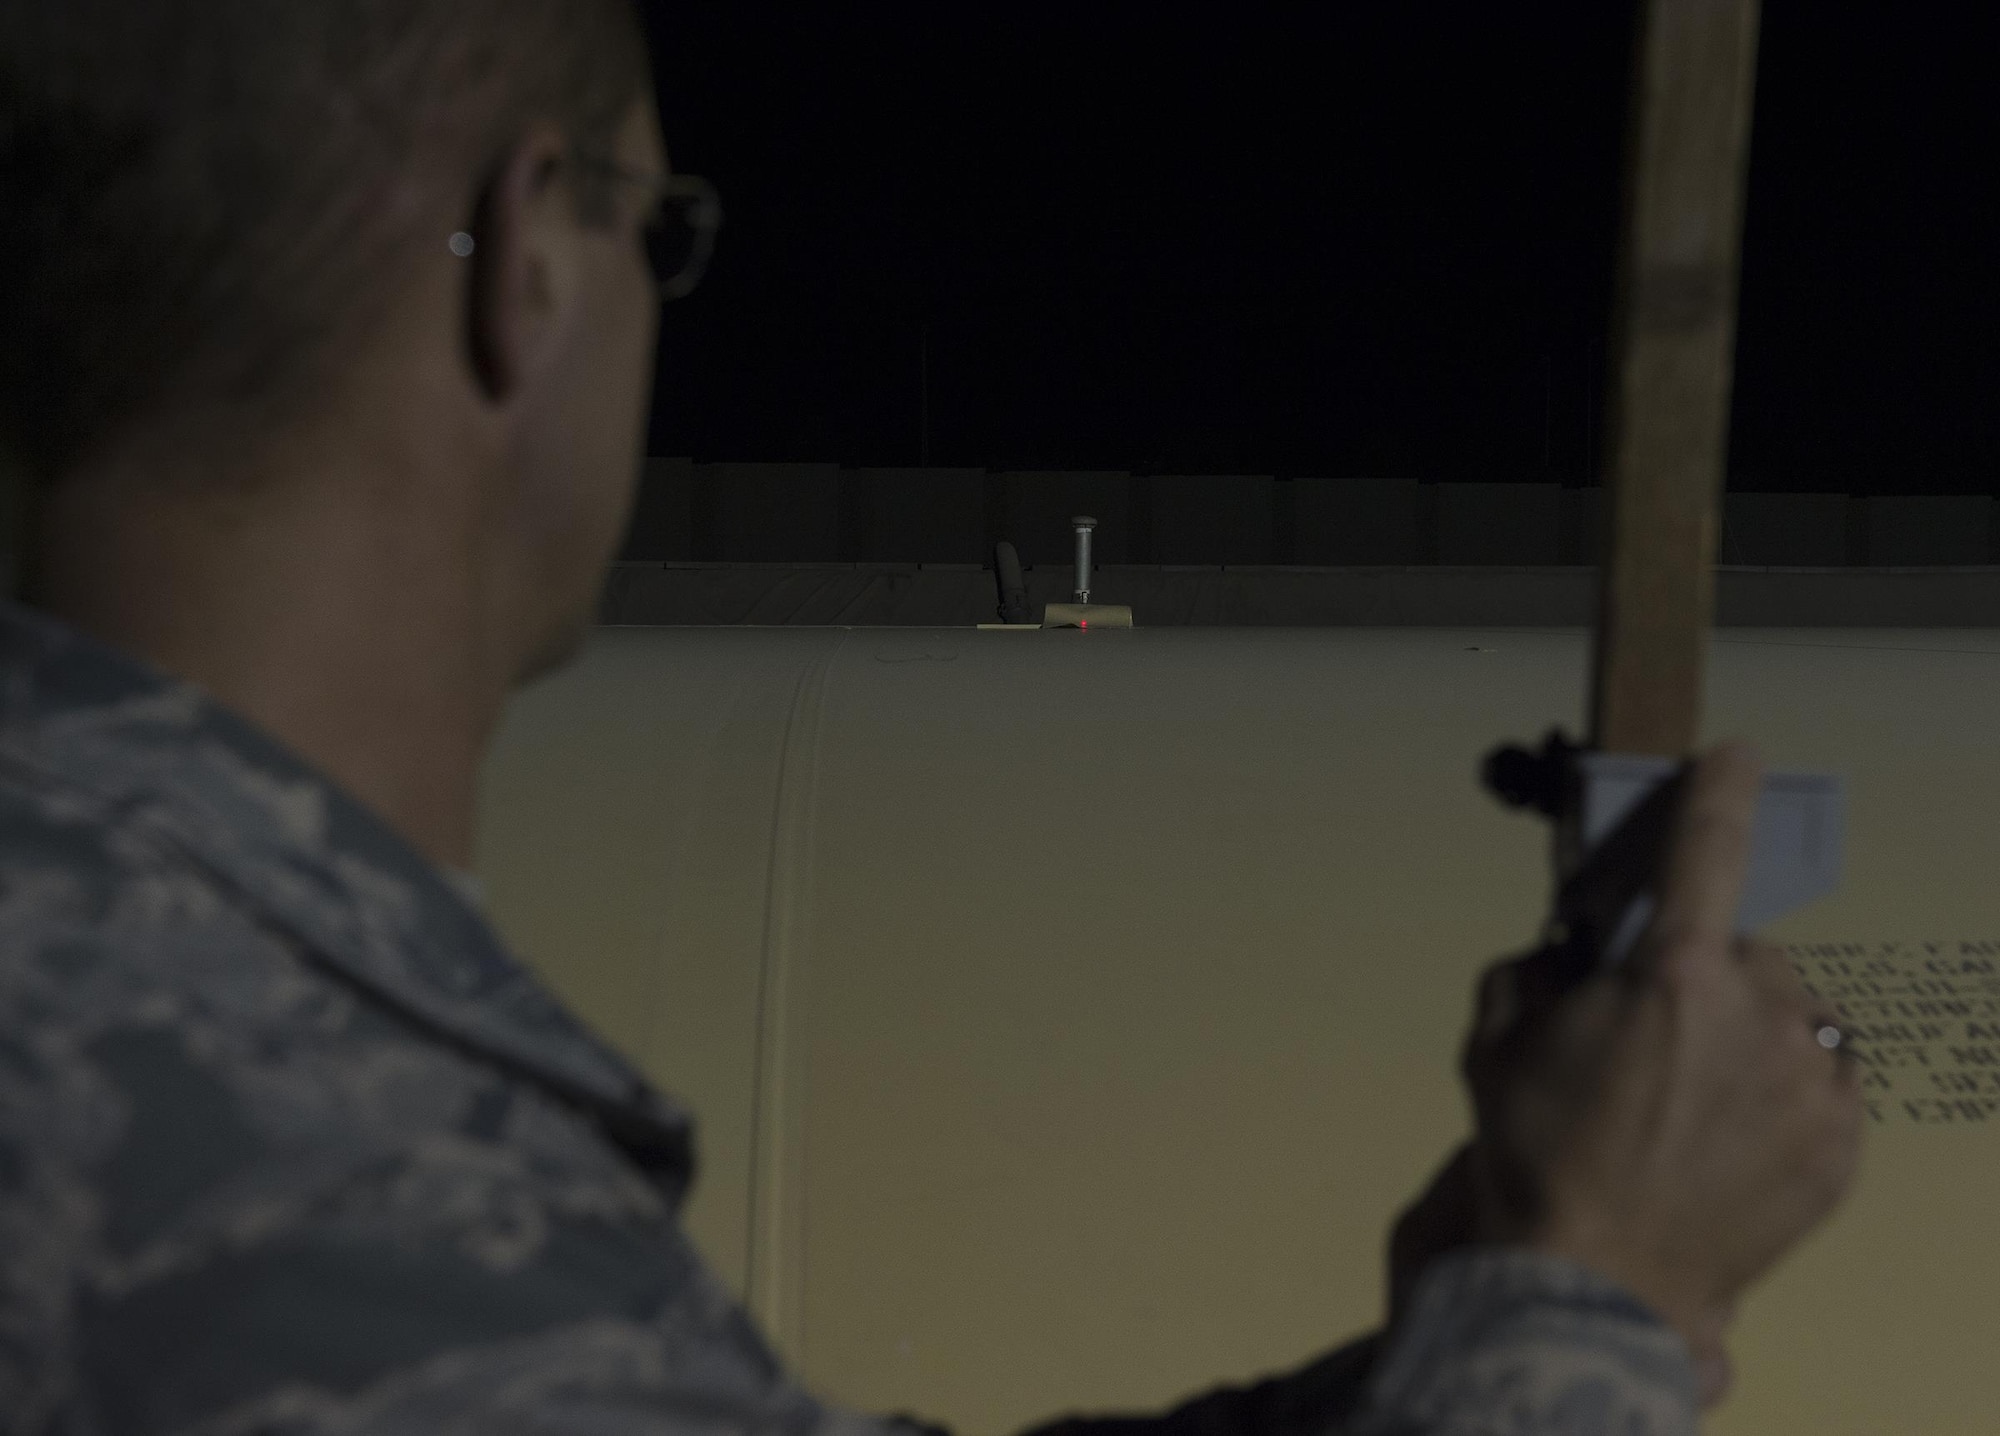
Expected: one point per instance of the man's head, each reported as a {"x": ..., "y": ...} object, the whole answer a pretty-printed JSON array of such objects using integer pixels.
[{"x": 230, "y": 221}]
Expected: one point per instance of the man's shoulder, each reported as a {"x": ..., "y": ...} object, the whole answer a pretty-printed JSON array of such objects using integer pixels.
[
  {"x": 206, "y": 1119},
  {"x": 103, "y": 927},
  {"x": 70, "y": 861}
]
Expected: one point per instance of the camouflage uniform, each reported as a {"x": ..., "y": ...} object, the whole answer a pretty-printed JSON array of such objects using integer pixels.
[{"x": 289, "y": 1144}]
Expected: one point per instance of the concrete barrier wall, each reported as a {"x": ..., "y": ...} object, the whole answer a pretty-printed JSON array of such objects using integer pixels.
[
  {"x": 1432, "y": 595},
  {"x": 1909, "y": 532},
  {"x": 818, "y": 513},
  {"x": 1580, "y": 526},
  {"x": 661, "y": 513},
  {"x": 914, "y": 516},
  {"x": 1358, "y": 521},
  {"x": 1786, "y": 530},
  {"x": 766, "y": 513},
  {"x": 1499, "y": 523},
  {"x": 1033, "y": 511},
  {"x": 1225, "y": 519}
]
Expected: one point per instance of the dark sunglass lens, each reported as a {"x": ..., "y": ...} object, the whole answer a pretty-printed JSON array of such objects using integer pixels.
[
  {"x": 670, "y": 242},
  {"x": 669, "y": 246}
]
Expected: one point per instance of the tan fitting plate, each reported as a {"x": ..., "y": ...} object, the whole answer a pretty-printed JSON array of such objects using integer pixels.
[{"x": 1087, "y": 615}]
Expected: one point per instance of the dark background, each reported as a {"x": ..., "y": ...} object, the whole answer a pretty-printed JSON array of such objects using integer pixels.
[{"x": 1336, "y": 240}]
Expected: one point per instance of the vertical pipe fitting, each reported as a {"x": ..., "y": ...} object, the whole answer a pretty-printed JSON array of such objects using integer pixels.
[{"x": 1083, "y": 528}]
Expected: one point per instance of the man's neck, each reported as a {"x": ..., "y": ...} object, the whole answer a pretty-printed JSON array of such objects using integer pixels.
[{"x": 342, "y": 626}]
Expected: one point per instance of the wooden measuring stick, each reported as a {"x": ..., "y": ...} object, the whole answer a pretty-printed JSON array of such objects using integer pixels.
[{"x": 1676, "y": 332}]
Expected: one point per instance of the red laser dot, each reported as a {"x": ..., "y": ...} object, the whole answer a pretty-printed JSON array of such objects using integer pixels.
[{"x": 1083, "y": 623}]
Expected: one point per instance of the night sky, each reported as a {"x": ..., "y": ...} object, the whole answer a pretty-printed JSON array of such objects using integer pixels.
[{"x": 1342, "y": 239}]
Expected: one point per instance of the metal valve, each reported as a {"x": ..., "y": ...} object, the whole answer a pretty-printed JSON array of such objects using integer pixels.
[{"x": 1083, "y": 527}]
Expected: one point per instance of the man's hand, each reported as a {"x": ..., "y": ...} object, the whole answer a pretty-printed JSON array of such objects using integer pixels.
[{"x": 1674, "y": 1123}]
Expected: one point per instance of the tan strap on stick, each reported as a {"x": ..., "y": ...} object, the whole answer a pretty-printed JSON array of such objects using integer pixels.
[{"x": 1676, "y": 334}]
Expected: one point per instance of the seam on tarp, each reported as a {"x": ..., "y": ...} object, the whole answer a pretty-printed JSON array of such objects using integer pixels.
[{"x": 774, "y": 1263}]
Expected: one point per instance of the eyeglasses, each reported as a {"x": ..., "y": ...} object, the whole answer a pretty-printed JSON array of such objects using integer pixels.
[
  {"x": 680, "y": 236},
  {"x": 679, "y": 231},
  {"x": 682, "y": 217}
]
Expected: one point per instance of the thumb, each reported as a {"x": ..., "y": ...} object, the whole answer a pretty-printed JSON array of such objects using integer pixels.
[{"x": 1703, "y": 883}]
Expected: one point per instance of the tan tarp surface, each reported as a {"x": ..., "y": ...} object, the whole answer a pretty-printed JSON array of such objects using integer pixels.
[{"x": 1068, "y": 1013}]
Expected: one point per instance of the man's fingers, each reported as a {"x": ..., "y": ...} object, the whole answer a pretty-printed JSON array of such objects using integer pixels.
[
  {"x": 1778, "y": 984},
  {"x": 1797, "y": 1017},
  {"x": 1771, "y": 972},
  {"x": 1512, "y": 992},
  {"x": 1703, "y": 882}
]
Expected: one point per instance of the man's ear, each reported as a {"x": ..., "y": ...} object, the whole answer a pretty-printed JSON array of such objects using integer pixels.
[{"x": 514, "y": 283}]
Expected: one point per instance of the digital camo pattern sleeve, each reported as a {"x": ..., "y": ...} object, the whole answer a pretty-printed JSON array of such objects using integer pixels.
[
  {"x": 288, "y": 1145},
  {"x": 411, "y": 1248},
  {"x": 1318, "y": 1400},
  {"x": 1499, "y": 1342},
  {"x": 1495, "y": 1343}
]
